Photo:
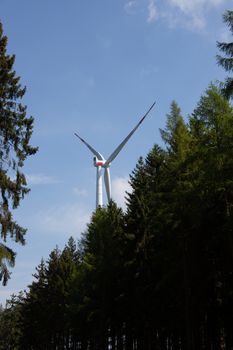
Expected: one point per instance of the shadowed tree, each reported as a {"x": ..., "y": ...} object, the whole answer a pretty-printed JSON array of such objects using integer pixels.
[
  {"x": 158, "y": 277},
  {"x": 10, "y": 327}
]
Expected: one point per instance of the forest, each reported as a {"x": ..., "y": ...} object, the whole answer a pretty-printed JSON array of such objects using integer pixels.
[{"x": 159, "y": 275}]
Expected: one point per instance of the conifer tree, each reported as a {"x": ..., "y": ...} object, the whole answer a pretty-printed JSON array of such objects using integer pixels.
[
  {"x": 33, "y": 317},
  {"x": 10, "y": 330},
  {"x": 175, "y": 134},
  {"x": 15, "y": 133},
  {"x": 159, "y": 276},
  {"x": 97, "y": 297},
  {"x": 207, "y": 215},
  {"x": 227, "y": 61}
]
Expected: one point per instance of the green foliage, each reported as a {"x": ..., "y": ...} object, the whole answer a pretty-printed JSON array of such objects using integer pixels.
[
  {"x": 227, "y": 61},
  {"x": 10, "y": 330},
  {"x": 7, "y": 259},
  {"x": 97, "y": 293},
  {"x": 175, "y": 135},
  {"x": 158, "y": 276},
  {"x": 46, "y": 304},
  {"x": 15, "y": 133}
]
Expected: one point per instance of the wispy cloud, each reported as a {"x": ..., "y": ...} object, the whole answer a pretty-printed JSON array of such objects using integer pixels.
[
  {"x": 67, "y": 219},
  {"x": 119, "y": 187},
  {"x": 82, "y": 192},
  {"x": 152, "y": 11},
  {"x": 191, "y": 14},
  {"x": 130, "y": 5},
  {"x": 189, "y": 6},
  {"x": 41, "y": 179}
]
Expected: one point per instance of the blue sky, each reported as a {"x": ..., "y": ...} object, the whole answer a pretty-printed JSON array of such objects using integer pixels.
[{"x": 95, "y": 68}]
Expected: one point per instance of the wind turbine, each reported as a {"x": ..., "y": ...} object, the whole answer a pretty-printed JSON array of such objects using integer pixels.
[{"x": 100, "y": 162}]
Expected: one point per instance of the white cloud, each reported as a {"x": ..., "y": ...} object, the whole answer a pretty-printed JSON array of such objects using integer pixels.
[
  {"x": 119, "y": 186},
  {"x": 194, "y": 13},
  {"x": 186, "y": 14},
  {"x": 82, "y": 192},
  {"x": 190, "y": 6},
  {"x": 129, "y": 5},
  {"x": 186, "y": 6},
  {"x": 68, "y": 219},
  {"x": 41, "y": 179},
  {"x": 190, "y": 14},
  {"x": 152, "y": 11}
]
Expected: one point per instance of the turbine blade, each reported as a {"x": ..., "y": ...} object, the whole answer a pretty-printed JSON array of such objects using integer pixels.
[
  {"x": 97, "y": 154},
  {"x": 107, "y": 181},
  {"x": 119, "y": 148}
]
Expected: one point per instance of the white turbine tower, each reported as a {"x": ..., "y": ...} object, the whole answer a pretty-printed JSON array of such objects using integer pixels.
[{"x": 100, "y": 162}]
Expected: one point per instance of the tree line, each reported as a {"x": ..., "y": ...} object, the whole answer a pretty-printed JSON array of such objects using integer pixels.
[{"x": 160, "y": 275}]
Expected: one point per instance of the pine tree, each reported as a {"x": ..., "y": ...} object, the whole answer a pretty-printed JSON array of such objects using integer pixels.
[
  {"x": 227, "y": 61},
  {"x": 15, "y": 132}
]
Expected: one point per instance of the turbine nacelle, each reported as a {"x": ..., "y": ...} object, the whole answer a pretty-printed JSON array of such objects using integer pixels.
[{"x": 98, "y": 162}]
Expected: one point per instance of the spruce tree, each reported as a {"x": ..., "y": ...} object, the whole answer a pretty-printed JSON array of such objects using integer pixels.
[
  {"x": 175, "y": 135},
  {"x": 98, "y": 295},
  {"x": 10, "y": 330},
  {"x": 15, "y": 133},
  {"x": 227, "y": 61},
  {"x": 207, "y": 215}
]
